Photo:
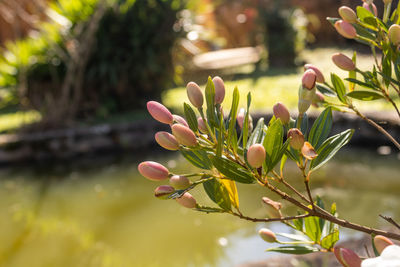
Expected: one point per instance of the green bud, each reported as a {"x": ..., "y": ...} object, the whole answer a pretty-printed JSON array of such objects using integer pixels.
[
  {"x": 256, "y": 155},
  {"x": 267, "y": 235},
  {"x": 179, "y": 182},
  {"x": 394, "y": 34}
]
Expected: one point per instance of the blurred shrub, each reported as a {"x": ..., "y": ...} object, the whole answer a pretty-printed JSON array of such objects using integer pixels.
[{"x": 129, "y": 61}]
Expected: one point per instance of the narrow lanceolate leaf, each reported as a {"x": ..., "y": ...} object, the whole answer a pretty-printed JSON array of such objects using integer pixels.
[
  {"x": 246, "y": 121},
  {"x": 257, "y": 134},
  {"x": 321, "y": 128},
  {"x": 303, "y": 125},
  {"x": 387, "y": 68},
  {"x": 232, "y": 170},
  {"x": 273, "y": 143},
  {"x": 298, "y": 250},
  {"x": 232, "y": 119},
  {"x": 325, "y": 90},
  {"x": 353, "y": 73},
  {"x": 330, "y": 147},
  {"x": 339, "y": 88},
  {"x": 330, "y": 240},
  {"x": 198, "y": 158},
  {"x": 232, "y": 191},
  {"x": 312, "y": 227},
  {"x": 190, "y": 117},
  {"x": 360, "y": 83},
  {"x": 365, "y": 95},
  {"x": 294, "y": 237},
  {"x": 220, "y": 137},
  {"x": 210, "y": 95},
  {"x": 218, "y": 193}
]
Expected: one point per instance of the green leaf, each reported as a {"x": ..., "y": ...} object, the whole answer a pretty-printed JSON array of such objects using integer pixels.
[
  {"x": 364, "y": 33},
  {"x": 273, "y": 143},
  {"x": 312, "y": 228},
  {"x": 321, "y": 128},
  {"x": 365, "y": 95},
  {"x": 298, "y": 250},
  {"x": 330, "y": 147},
  {"x": 209, "y": 209},
  {"x": 190, "y": 117},
  {"x": 232, "y": 119},
  {"x": 330, "y": 240},
  {"x": 294, "y": 237},
  {"x": 220, "y": 137},
  {"x": 363, "y": 13},
  {"x": 210, "y": 96},
  {"x": 218, "y": 193},
  {"x": 283, "y": 162},
  {"x": 198, "y": 158},
  {"x": 233, "y": 170},
  {"x": 325, "y": 90},
  {"x": 257, "y": 134},
  {"x": 353, "y": 73},
  {"x": 298, "y": 224},
  {"x": 376, "y": 252},
  {"x": 246, "y": 121},
  {"x": 363, "y": 84},
  {"x": 339, "y": 88},
  {"x": 387, "y": 67}
]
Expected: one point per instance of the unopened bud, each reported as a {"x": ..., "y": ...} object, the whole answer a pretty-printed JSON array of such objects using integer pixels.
[
  {"x": 347, "y": 14},
  {"x": 347, "y": 257},
  {"x": 194, "y": 94},
  {"x": 296, "y": 138},
  {"x": 320, "y": 76},
  {"x": 309, "y": 78},
  {"x": 381, "y": 242},
  {"x": 202, "y": 126},
  {"x": 267, "y": 235},
  {"x": 394, "y": 34},
  {"x": 345, "y": 29},
  {"x": 273, "y": 208},
  {"x": 256, "y": 155},
  {"x": 163, "y": 191},
  {"x": 318, "y": 98},
  {"x": 153, "y": 171},
  {"x": 179, "y": 182},
  {"x": 366, "y": 6},
  {"x": 180, "y": 120},
  {"x": 344, "y": 62},
  {"x": 187, "y": 200},
  {"x": 219, "y": 89},
  {"x": 166, "y": 140},
  {"x": 241, "y": 117},
  {"x": 281, "y": 112},
  {"x": 184, "y": 135},
  {"x": 305, "y": 99},
  {"x": 159, "y": 112},
  {"x": 308, "y": 151}
]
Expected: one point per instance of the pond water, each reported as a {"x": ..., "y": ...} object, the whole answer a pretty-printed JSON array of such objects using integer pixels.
[{"x": 106, "y": 215}]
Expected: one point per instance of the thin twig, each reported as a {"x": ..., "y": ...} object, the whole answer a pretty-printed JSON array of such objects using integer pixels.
[
  {"x": 270, "y": 219},
  {"x": 389, "y": 220}
]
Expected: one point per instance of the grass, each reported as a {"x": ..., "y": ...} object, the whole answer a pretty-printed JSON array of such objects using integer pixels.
[
  {"x": 279, "y": 85},
  {"x": 10, "y": 122}
]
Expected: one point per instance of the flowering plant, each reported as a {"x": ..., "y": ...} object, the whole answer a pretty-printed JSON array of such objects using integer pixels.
[{"x": 230, "y": 149}]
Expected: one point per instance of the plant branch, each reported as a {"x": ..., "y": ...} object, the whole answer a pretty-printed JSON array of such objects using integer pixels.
[
  {"x": 390, "y": 220},
  {"x": 241, "y": 216}
]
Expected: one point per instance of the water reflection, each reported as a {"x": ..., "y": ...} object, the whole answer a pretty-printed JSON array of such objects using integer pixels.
[{"x": 106, "y": 215}]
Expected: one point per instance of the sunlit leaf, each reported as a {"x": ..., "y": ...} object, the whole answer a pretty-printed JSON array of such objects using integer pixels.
[
  {"x": 330, "y": 240},
  {"x": 339, "y": 88},
  {"x": 198, "y": 158},
  {"x": 232, "y": 170},
  {"x": 232, "y": 190},
  {"x": 312, "y": 228},
  {"x": 190, "y": 117},
  {"x": 218, "y": 193},
  {"x": 321, "y": 128},
  {"x": 273, "y": 143},
  {"x": 365, "y": 95},
  {"x": 298, "y": 250}
]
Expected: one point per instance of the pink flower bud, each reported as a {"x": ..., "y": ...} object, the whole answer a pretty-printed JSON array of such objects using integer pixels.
[
  {"x": 394, "y": 34},
  {"x": 308, "y": 151},
  {"x": 159, "y": 112},
  {"x": 240, "y": 119},
  {"x": 317, "y": 99},
  {"x": 180, "y": 120},
  {"x": 153, "y": 171},
  {"x": 347, "y": 257},
  {"x": 179, "y": 182},
  {"x": 167, "y": 140},
  {"x": 187, "y": 200},
  {"x": 267, "y": 235},
  {"x": 201, "y": 125},
  {"x": 320, "y": 76},
  {"x": 163, "y": 191},
  {"x": 281, "y": 112},
  {"x": 309, "y": 78},
  {"x": 184, "y": 135},
  {"x": 219, "y": 89},
  {"x": 256, "y": 155},
  {"x": 296, "y": 138},
  {"x": 347, "y": 14},
  {"x": 381, "y": 242},
  {"x": 194, "y": 94},
  {"x": 273, "y": 208},
  {"x": 366, "y": 6},
  {"x": 345, "y": 29},
  {"x": 344, "y": 62}
]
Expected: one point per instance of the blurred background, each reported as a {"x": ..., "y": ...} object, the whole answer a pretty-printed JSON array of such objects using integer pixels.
[{"x": 75, "y": 76}]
